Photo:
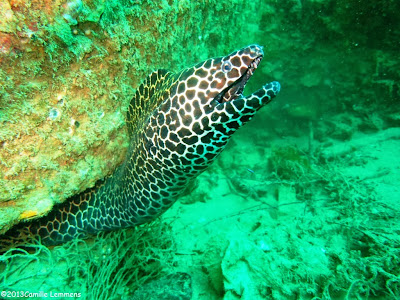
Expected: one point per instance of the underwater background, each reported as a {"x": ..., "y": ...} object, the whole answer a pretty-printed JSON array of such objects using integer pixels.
[{"x": 303, "y": 203}]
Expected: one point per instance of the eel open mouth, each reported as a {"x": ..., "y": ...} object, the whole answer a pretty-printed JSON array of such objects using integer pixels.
[{"x": 235, "y": 90}]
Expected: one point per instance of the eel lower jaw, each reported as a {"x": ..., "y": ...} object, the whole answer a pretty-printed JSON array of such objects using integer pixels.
[{"x": 235, "y": 90}]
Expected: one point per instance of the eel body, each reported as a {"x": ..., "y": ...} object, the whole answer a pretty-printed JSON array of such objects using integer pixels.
[{"x": 178, "y": 123}]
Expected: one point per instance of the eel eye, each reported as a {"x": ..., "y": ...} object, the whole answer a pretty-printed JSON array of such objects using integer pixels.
[{"x": 226, "y": 66}]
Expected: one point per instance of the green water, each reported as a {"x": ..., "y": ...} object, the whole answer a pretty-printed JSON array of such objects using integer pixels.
[{"x": 303, "y": 203}]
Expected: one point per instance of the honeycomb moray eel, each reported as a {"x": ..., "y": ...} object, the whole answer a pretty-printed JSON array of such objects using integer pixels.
[{"x": 177, "y": 125}]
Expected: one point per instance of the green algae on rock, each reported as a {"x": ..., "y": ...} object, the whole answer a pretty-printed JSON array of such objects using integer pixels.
[{"x": 82, "y": 60}]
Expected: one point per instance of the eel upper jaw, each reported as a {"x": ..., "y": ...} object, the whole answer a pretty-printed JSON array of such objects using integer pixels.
[{"x": 235, "y": 90}]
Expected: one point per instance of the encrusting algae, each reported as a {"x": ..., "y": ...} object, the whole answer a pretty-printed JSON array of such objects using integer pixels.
[{"x": 68, "y": 71}]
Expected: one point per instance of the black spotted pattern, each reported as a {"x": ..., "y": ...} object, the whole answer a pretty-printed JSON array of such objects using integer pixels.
[{"x": 177, "y": 125}]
